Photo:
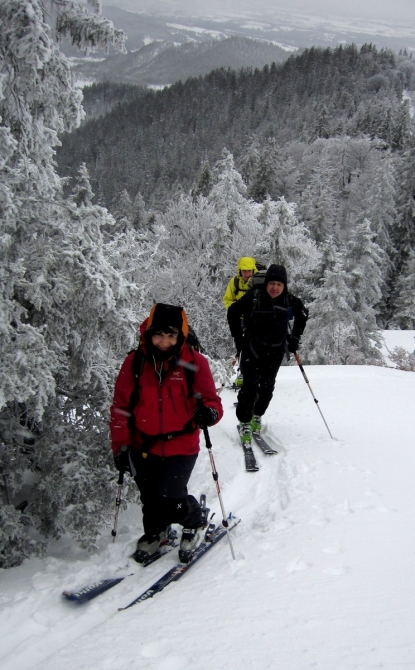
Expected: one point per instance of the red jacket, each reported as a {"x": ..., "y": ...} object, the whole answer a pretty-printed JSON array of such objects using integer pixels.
[{"x": 162, "y": 407}]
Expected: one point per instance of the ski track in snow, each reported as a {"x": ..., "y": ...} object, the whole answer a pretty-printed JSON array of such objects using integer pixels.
[{"x": 325, "y": 551}]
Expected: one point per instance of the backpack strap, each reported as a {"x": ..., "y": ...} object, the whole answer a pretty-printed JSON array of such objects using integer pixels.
[
  {"x": 236, "y": 284},
  {"x": 136, "y": 368},
  {"x": 149, "y": 441},
  {"x": 255, "y": 300}
]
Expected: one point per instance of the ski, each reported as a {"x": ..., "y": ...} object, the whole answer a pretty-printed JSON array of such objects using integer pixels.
[
  {"x": 92, "y": 591},
  {"x": 174, "y": 574},
  {"x": 250, "y": 460},
  {"x": 263, "y": 444}
]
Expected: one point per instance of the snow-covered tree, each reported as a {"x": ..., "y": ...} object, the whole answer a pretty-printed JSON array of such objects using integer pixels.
[
  {"x": 285, "y": 240},
  {"x": 229, "y": 190},
  {"x": 193, "y": 265},
  {"x": 139, "y": 214},
  {"x": 319, "y": 201},
  {"x": 342, "y": 327},
  {"x": 364, "y": 263},
  {"x": 330, "y": 335},
  {"x": 205, "y": 181},
  {"x": 64, "y": 313},
  {"x": 404, "y": 314},
  {"x": 123, "y": 211}
]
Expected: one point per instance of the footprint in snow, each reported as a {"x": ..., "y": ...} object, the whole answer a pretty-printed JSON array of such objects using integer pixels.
[{"x": 299, "y": 565}]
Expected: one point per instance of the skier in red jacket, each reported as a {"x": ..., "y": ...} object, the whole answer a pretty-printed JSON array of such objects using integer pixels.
[{"x": 155, "y": 414}]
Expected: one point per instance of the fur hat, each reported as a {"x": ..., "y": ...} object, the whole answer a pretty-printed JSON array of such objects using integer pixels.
[{"x": 166, "y": 317}]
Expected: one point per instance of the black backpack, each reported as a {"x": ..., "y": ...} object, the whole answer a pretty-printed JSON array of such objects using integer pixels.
[
  {"x": 257, "y": 279},
  {"x": 194, "y": 342}
]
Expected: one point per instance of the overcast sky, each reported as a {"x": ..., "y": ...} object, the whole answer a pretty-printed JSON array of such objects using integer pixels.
[{"x": 396, "y": 11}]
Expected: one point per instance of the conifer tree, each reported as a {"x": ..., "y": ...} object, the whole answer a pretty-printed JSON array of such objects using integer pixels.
[
  {"x": 404, "y": 314},
  {"x": 59, "y": 300},
  {"x": 286, "y": 241},
  {"x": 263, "y": 182},
  {"x": 330, "y": 337},
  {"x": 364, "y": 262},
  {"x": 229, "y": 190},
  {"x": 319, "y": 201},
  {"x": 138, "y": 212},
  {"x": 205, "y": 181},
  {"x": 123, "y": 211}
]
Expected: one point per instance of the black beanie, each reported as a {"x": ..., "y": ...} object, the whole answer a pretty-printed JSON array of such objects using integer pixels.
[{"x": 276, "y": 273}]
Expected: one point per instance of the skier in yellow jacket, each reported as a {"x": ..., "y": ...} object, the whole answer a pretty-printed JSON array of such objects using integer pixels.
[
  {"x": 238, "y": 285},
  {"x": 236, "y": 288}
]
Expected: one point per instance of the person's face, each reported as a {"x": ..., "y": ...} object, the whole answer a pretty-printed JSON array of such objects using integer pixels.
[
  {"x": 275, "y": 288},
  {"x": 165, "y": 341},
  {"x": 246, "y": 274}
]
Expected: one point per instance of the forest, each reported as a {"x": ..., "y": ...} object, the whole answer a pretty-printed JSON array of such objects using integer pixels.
[{"x": 309, "y": 164}]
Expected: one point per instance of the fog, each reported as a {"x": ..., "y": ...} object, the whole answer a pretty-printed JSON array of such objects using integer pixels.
[{"x": 396, "y": 11}]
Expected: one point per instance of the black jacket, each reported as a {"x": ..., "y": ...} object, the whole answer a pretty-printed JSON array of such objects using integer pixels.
[{"x": 258, "y": 319}]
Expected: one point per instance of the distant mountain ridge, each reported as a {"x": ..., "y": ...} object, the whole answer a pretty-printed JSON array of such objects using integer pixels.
[{"x": 164, "y": 63}]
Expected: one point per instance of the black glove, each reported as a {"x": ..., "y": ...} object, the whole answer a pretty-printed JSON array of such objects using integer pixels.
[
  {"x": 121, "y": 460},
  {"x": 239, "y": 341},
  {"x": 205, "y": 416},
  {"x": 293, "y": 344}
]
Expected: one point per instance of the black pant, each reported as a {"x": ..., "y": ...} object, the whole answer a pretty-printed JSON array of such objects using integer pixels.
[
  {"x": 259, "y": 372},
  {"x": 162, "y": 483}
]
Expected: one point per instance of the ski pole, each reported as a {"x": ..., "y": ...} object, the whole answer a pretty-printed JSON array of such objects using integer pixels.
[
  {"x": 300, "y": 365},
  {"x": 215, "y": 475},
  {"x": 124, "y": 449}
]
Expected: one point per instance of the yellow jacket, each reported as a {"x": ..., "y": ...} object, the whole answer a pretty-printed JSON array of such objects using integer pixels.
[{"x": 237, "y": 287}]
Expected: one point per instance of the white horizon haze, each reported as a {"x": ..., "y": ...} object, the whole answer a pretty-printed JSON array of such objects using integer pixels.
[{"x": 396, "y": 12}]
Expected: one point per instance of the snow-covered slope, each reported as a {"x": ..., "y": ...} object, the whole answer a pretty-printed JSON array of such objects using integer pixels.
[{"x": 323, "y": 576}]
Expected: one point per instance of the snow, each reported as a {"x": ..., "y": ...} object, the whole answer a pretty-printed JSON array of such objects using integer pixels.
[
  {"x": 397, "y": 338},
  {"x": 323, "y": 576}
]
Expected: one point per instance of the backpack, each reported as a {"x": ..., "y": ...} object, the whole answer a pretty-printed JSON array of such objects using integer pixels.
[
  {"x": 257, "y": 279},
  {"x": 193, "y": 341},
  {"x": 261, "y": 272}
]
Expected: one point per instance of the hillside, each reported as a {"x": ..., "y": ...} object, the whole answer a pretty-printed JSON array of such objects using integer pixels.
[
  {"x": 160, "y": 140},
  {"x": 324, "y": 551},
  {"x": 162, "y": 63}
]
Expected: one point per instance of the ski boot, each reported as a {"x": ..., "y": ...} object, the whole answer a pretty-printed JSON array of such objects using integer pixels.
[
  {"x": 245, "y": 432},
  {"x": 188, "y": 543},
  {"x": 238, "y": 383},
  {"x": 256, "y": 423},
  {"x": 147, "y": 546}
]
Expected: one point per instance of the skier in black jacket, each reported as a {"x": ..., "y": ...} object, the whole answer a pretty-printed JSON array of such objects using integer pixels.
[{"x": 259, "y": 325}]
